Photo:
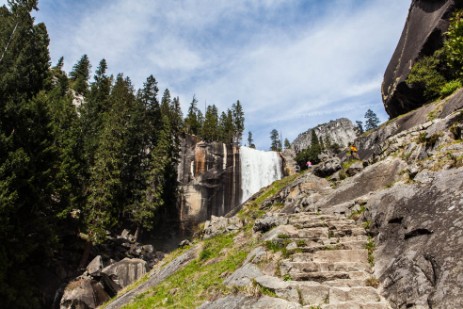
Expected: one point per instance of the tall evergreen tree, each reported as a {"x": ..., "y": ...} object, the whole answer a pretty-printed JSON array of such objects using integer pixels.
[
  {"x": 238, "y": 120},
  {"x": 210, "y": 130},
  {"x": 227, "y": 128},
  {"x": 80, "y": 74},
  {"x": 94, "y": 107},
  {"x": 372, "y": 121},
  {"x": 287, "y": 144},
  {"x": 192, "y": 123},
  {"x": 275, "y": 140},
  {"x": 250, "y": 140},
  {"x": 27, "y": 157},
  {"x": 359, "y": 127}
]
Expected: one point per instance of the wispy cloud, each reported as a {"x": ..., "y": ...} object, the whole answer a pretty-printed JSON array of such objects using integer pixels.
[{"x": 293, "y": 64}]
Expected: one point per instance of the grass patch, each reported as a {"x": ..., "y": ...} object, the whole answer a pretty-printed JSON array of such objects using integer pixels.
[
  {"x": 370, "y": 246},
  {"x": 198, "y": 281},
  {"x": 356, "y": 214},
  {"x": 372, "y": 281}
]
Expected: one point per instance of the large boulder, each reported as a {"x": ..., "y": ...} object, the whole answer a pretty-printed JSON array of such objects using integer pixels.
[
  {"x": 419, "y": 239},
  {"x": 83, "y": 293},
  {"x": 126, "y": 271},
  {"x": 423, "y": 34}
]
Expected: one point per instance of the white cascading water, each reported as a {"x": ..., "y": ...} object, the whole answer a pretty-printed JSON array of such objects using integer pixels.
[{"x": 258, "y": 169}]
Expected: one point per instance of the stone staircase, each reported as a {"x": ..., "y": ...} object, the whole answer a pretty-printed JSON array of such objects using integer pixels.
[{"x": 324, "y": 263}]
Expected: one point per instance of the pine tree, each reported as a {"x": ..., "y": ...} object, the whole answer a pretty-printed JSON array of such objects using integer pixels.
[
  {"x": 80, "y": 74},
  {"x": 210, "y": 129},
  {"x": 287, "y": 144},
  {"x": 227, "y": 128},
  {"x": 250, "y": 140},
  {"x": 275, "y": 140},
  {"x": 238, "y": 121},
  {"x": 27, "y": 156},
  {"x": 114, "y": 157},
  {"x": 94, "y": 107},
  {"x": 372, "y": 120},
  {"x": 192, "y": 122},
  {"x": 359, "y": 127}
]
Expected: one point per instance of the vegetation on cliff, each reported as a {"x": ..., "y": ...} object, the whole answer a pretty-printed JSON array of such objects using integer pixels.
[{"x": 440, "y": 74}]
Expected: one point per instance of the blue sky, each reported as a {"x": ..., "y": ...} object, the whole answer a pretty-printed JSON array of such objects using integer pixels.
[{"x": 293, "y": 64}]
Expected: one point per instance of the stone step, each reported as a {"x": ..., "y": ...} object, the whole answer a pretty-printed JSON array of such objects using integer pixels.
[
  {"x": 343, "y": 283},
  {"x": 333, "y": 256},
  {"x": 315, "y": 222},
  {"x": 287, "y": 267},
  {"x": 354, "y": 305},
  {"x": 350, "y": 245},
  {"x": 325, "y": 232},
  {"x": 322, "y": 276},
  {"x": 359, "y": 294}
]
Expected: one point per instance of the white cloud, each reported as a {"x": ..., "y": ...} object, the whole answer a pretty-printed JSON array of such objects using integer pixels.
[{"x": 293, "y": 64}]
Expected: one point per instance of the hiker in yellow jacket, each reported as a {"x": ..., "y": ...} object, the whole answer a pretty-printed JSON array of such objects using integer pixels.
[{"x": 353, "y": 151}]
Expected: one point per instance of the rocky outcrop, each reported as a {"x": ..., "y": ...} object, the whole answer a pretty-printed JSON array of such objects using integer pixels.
[
  {"x": 388, "y": 234},
  {"x": 340, "y": 131},
  {"x": 423, "y": 34},
  {"x": 98, "y": 284},
  {"x": 210, "y": 180}
]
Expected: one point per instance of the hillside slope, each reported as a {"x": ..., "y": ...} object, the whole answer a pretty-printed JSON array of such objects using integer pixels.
[{"x": 383, "y": 233}]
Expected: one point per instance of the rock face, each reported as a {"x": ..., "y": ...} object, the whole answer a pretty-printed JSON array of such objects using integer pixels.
[
  {"x": 422, "y": 35},
  {"x": 210, "y": 180},
  {"x": 97, "y": 285},
  {"x": 340, "y": 131}
]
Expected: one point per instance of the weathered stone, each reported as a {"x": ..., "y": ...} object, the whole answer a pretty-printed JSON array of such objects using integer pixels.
[
  {"x": 158, "y": 275},
  {"x": 184, "y": 243},
  {"x": 247, "y": 302},
  {"x": 220, "y": 225},
  {"x": 340, "y": 131},
  {"x": 420, "y": 240},
  {"x": 328, "y": 167},
  {"x": 210, "y": 180},
  {"x": 243, "y": 276},
  {"x": 95, "y": 266},
  {"x": 83, "y": 293},
  {"x": 354, "y": 169},
  {"x": 268, "y": 222},
  {"x": 126, "y": 271},
  {"x": 423, "y": 34}
]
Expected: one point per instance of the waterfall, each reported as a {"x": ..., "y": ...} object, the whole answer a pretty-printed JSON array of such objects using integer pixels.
[{"x": 258, "y": 169}]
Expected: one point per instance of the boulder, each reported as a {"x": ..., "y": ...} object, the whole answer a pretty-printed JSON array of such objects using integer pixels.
[
  {"x": 419, "y": 228},
  {"x": 126, "y": 271},
  {"x": 243, "y": 276},
  {"x": 83, "y": 293},
  {"x": 221, "y": 225},
  {"x": 426, "y": 23},
  {"x": 95, "y": 266},
  {"x": 269, "y": 221},
  {"x": 328, "y": 167},
  {"x": 354, "y": 168}
]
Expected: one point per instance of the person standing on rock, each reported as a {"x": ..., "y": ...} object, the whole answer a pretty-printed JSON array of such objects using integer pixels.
[
  {"x": 309, "y": 164},
  {"x": 353, "y": 151}
]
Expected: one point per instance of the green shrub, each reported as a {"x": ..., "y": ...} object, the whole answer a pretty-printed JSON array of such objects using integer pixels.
[
  {"x": 425, "y": 75},
  {"x": 450, "y": 88}
]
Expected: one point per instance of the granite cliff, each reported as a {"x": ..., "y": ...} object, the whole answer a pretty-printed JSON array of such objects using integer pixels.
[
  {"x": 340, "y": 131},
  {"x": 209, "y": 180},
  {"x": 423, "y": 34}
]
